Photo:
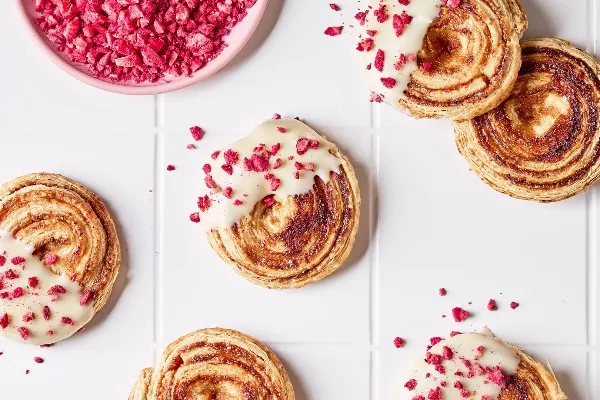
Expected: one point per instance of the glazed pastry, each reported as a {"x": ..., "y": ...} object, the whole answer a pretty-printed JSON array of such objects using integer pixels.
[
  {"x": 478, "y": 366},
  {"x": 451, "y": 59},
  {"x": 59, "y": 257},
  {"x": 543, "y": 142},
  {"x": 283, "y": 205},
  {"x": 215, "y": 364}
]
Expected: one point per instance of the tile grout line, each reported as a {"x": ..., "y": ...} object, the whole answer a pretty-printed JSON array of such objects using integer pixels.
[
  {"x": 374, "y": 268},
  {"x": 592, "y": 256}
]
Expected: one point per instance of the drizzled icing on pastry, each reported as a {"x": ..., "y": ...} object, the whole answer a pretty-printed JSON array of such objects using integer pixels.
[
  {"x": 287, "y": 169},
  {"x": 399, "y": 50},
  {"x": 17, "y": 308},
  {"x": 478, "y": 367}
]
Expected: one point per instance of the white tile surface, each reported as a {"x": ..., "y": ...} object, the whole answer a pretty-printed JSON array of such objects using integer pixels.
[{"x": 427, "y": 221}]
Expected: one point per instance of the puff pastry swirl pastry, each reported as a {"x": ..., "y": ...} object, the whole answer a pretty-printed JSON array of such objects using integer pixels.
[
  {"x": 434, "y": 60},
  {"x": 543, "y": 142},
  {"x": 215, "y": 364},
  {"x": 61, "y": 256},
  {"x": 284, "y": 205},
  {"x": 479, "y": 366}
]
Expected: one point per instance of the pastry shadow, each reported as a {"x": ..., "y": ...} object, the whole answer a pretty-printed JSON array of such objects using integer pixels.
[
  {"x": 540, "y": 22},
  {"x": 263, "y": 30},
  {"x": 122, "y": 277},
  {"x": 300, "y": 392},
  {"x": 569, "y": 386}
]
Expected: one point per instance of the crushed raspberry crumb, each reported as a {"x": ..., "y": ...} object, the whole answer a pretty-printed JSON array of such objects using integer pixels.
[
  {"x": 215, "y": 154},
  {"x": 492, "y": 305},
  {"x": 435, "y": 340},
  {"x": 50, "y": 259},
  {"x": 67, "y": 321},
  {"x": 435, "y": 394},
  {"x": 442, "y": 292},
  {"x": 38, "y": 360},
  {"x": 46, "y": 313},
  {"x": 281, "y": 129},
  {"x": 447, "y": 353},
  {"x": 227, "y": 168},
  {"x": 17, "y": 260},
  {"x": 237, "y": 202},
  {"x": 195, "y": 217},
  {"x": 399, "y": 342},
  {"x": 334, "y": 7},
  {"x": 11, "y": 274},
  {"x": 2, "y": 261},
  {"x": 57, "y": 289},
  {"x": 170, "y": 167},
  {"x": 388, "y": 82},
  {"x": 459, "y": 314},
  {"x": 411, "y": 384},
  {"x": 302, "y": 146},
  {"x": 227, "y": 192},
  {"x": 496, "y": 376},
  {"x": 204, "y": 203},
  {"x": 231, "y": 156},
  {"x": 190, "y": 146},
  {"x": 210, "y": 182},
  {"x": 276, "y": 116},
  {"x": 334, "y": 30},
  {"x": 379, "y": 60},
  {"x": 454, "y": 333},
  {"x": 361, "y": 17},
  {"x": 18, "y": 292},
  {"x": 132, "y": 42},
  {"x": 197, "y": 132},
  {"x": 514, "y": 305},
  {"x": 381, "y": 13},
  {"x": 206, "y": 168}
]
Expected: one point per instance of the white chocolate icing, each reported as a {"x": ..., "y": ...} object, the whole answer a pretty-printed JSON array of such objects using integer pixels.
[
  {"x": 409, "y": 42},
  {"x": 465, "y": 346},
  {"x": 251, "y": 187},
  {"x": 34, "y": 299}
]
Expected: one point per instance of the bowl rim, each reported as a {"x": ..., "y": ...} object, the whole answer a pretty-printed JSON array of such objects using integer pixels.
[{"x": 211, "y": 68}]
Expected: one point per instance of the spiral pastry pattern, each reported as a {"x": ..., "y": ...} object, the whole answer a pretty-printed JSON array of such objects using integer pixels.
[
  {"x": 215, "y": 364},
  {"x": 63, "y": 219},
  {"x": 295, "y": 231},
  {"x": 543, "y": 142},
  {"x": 469, "y": 60}
]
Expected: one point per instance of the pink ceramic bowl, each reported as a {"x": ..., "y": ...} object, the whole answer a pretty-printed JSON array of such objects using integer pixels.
[{"x": 236, "y": 40}]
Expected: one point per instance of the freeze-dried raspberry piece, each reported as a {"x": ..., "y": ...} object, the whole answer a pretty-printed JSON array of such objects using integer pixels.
[
  {"x": 204, "y": 203},
  {"x": 269, "y": 201},
  {"x": 276, "y": 116},
  {"x": 18, "y": 292},
  {"x": 366, "y": 44},
  {"x": 361, "y": 17},
  {"x": 24, "y": 332},
  {"x": 514, "y": 305},
  {"x": 275, "y": 148},
  {"x": 333, "y": 30},
  {"x": 86, "y": 297},
  {"x": 492, "y": 305},
  {"x": 379, "y": 60},
  {"x": 465, "y": 394},
  {"x": 458, "y": 385},
  {"x": 46, "y": 313},
  {"x": 2, "y": 261},
  {"x": 17, "y": 260},
  {"x": 399, "y": 342},
  {"x": 67, "y": 321},
  {"x": 237, "y": 202},
  {"x": 231, "y": 156},
  {"x": 440, "y": 368},
  {"x": 447, "y": 353},
  {"x": 496, "y": 376},
  {"x": 433, "y": 359},
  {"x": 50, "y": 259},
  {"x": 453, "y": 3},
  {"x": 278, "y": 163},
  {"x": 190, "y": 146},
  {"x": 38, "y": 360},
  {"x": 4, "y": 320},
  {"x": 411, "y": 384},
  {"x": 309, "y": 167},
  {"x": 32, "y": 281},
  {"x": 381, "y": 13},
  {"x": 454, "y": 333},
  {"x": 227, "y": 168},
  {"x": 215, "y": 154},
  {"x": 260, "y": 163},
  {"x": 57, "y": 289},
  {"x": 275, "y": 183},
  {"x": 281, "y": 129},
  {"x": 11, "y": 274},
  {"x": 388, "y": 82},
  {"x": 227, "y": 192},
  {"x": 298, "y": 166},
  {"x": 197, "y": 132},
  {"x": 334, "y": 7},
  {"x": 435, "y": 394},
  {"x": 206, "y": 168},
  {"x": 210, "y": 182},
  {"x": 435, "y": 340},
  {"x": 459, "y": 314},
  {"x": 427, "y": 66},
  {"x": 302, "y": 145},
  {"x": 442, "y": 292},
  {"x": 170, "y": 167},
  {"x": 195, "y": 217},
  {"x": 28, "y": 317}
]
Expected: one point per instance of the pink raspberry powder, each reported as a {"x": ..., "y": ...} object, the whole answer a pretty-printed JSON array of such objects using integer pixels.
[{"x": 132, "y": 42}]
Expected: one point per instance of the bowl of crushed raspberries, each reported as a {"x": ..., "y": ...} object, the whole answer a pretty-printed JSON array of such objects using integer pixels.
[{"x": 142, "y": 46}]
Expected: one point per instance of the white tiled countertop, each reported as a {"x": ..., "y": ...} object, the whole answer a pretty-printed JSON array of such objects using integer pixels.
[{"x": 427, "y": 221}]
